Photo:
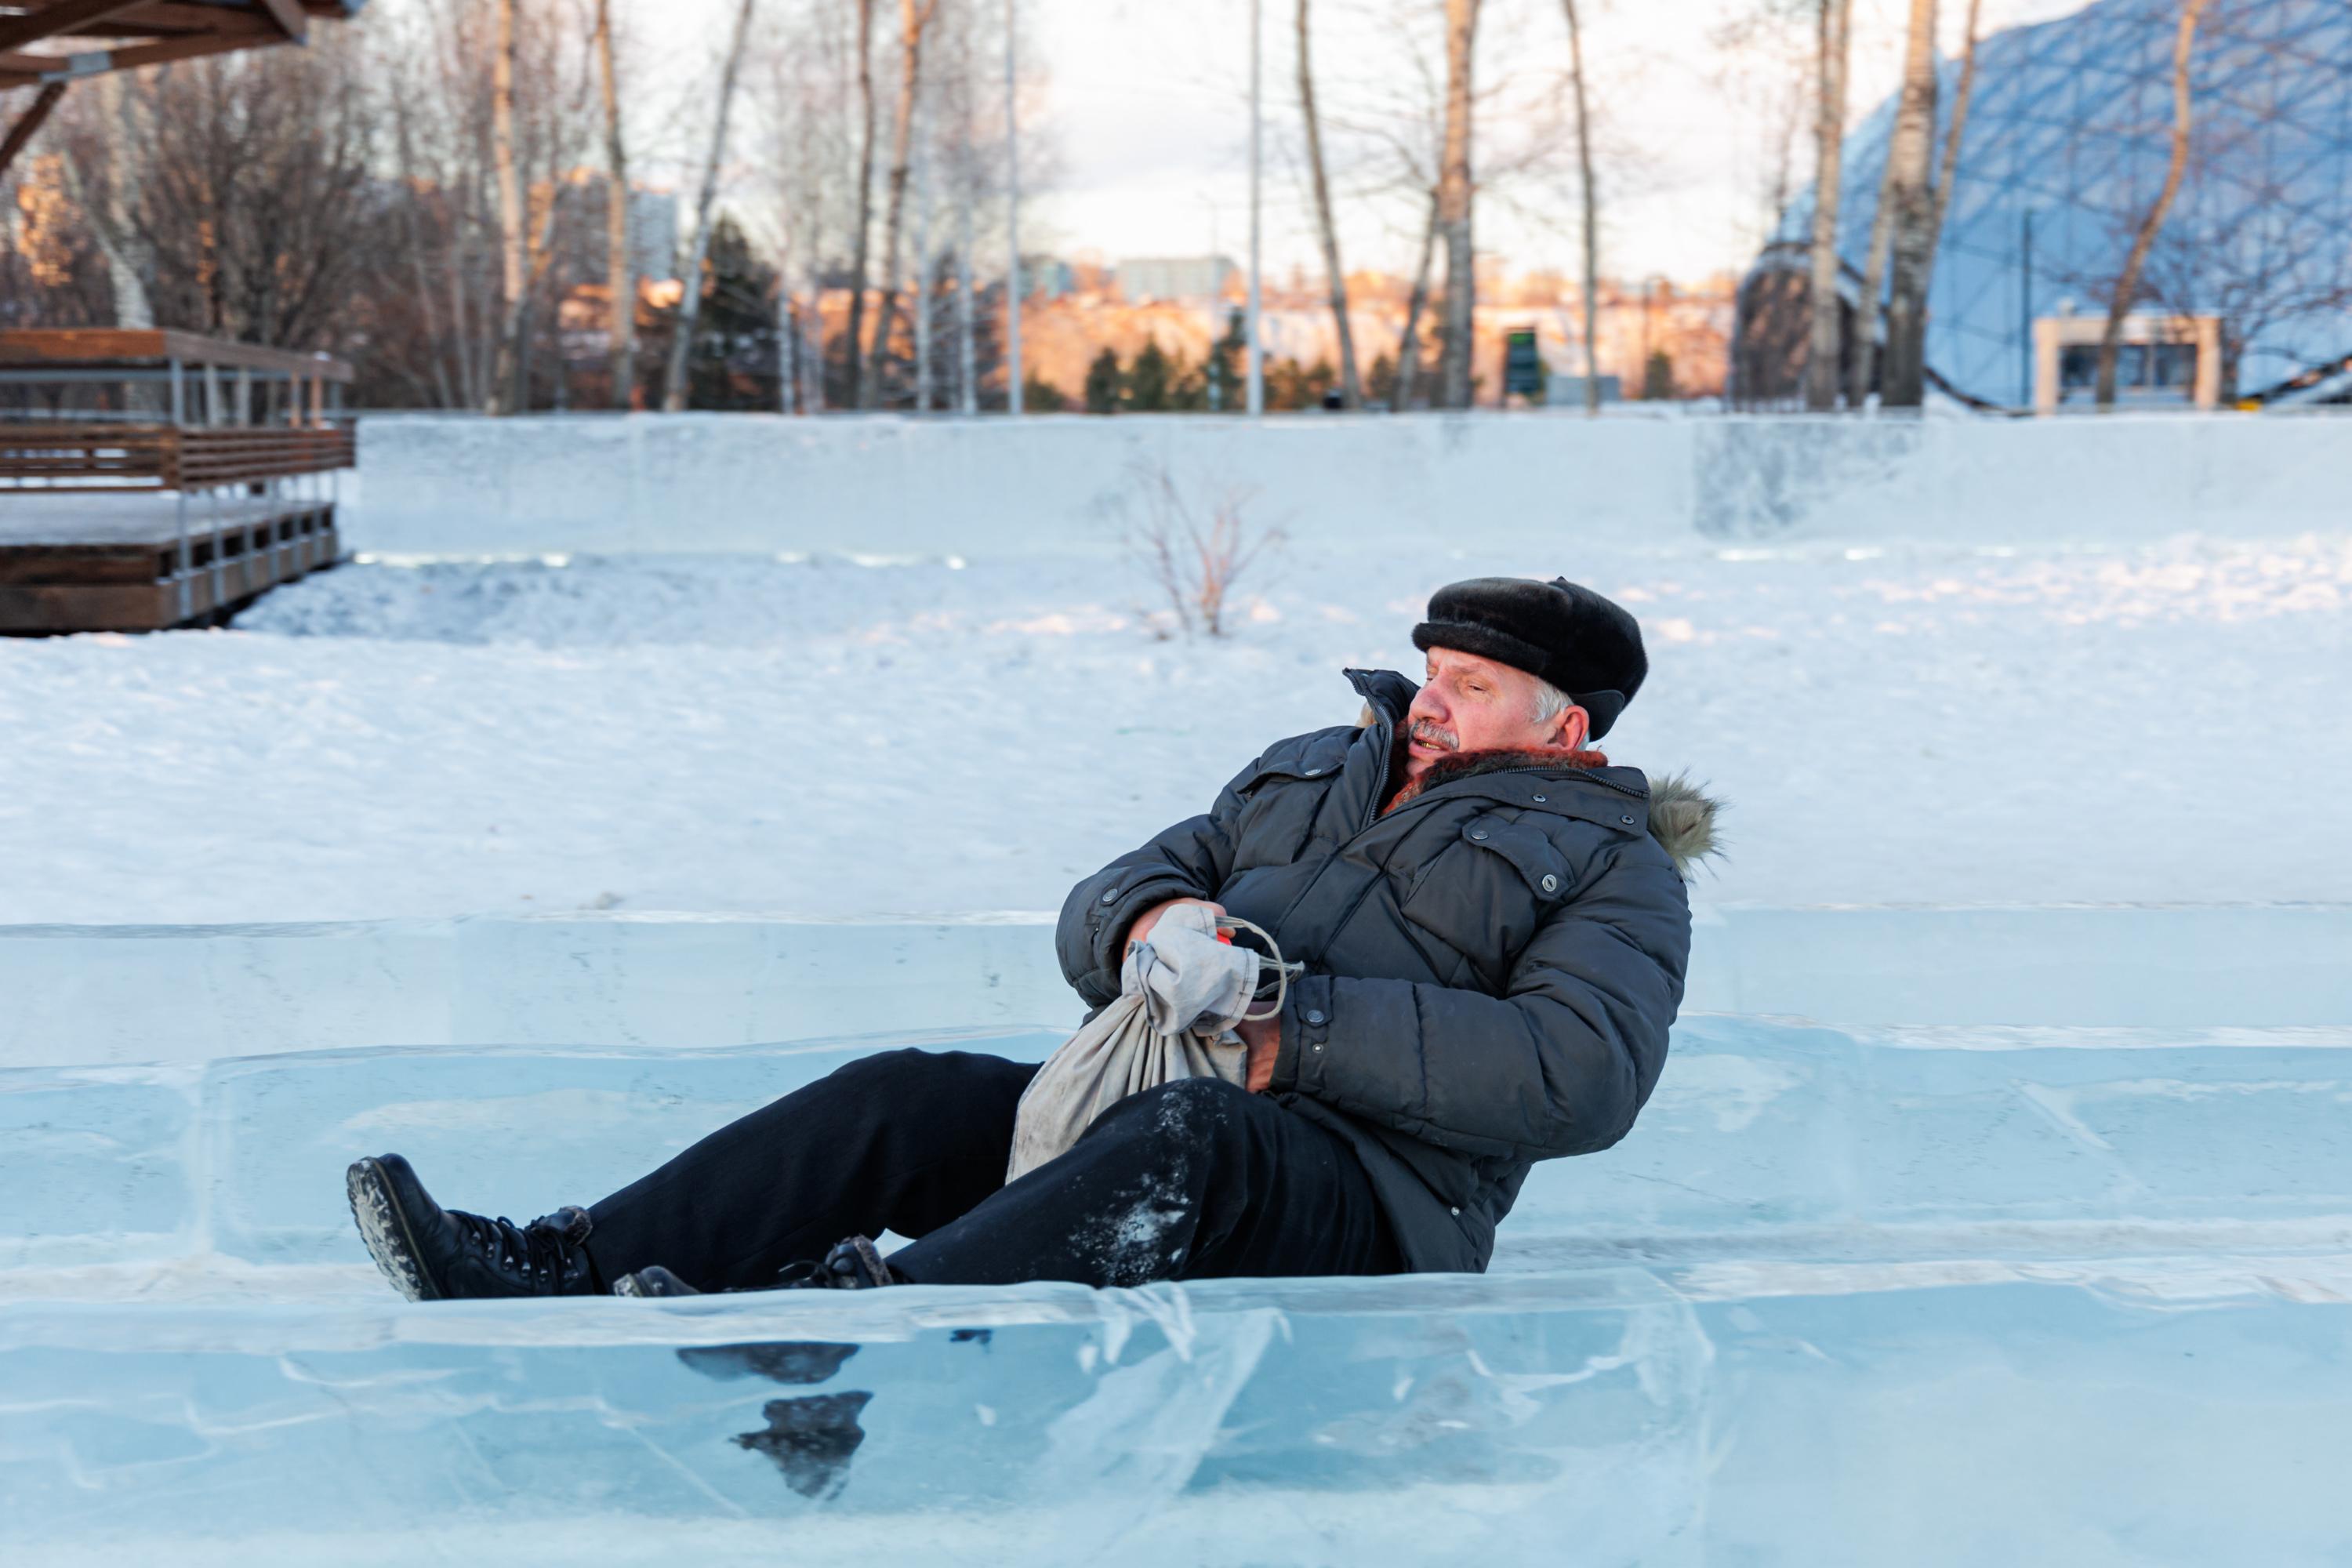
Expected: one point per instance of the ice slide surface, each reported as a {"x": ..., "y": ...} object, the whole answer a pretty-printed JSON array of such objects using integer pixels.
[{"x": 1960, "y": 1291}]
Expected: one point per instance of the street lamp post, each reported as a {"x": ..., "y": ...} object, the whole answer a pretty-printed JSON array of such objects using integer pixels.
[
  {"x": 1257, "y": 353},
  {"x": 1013, "y": 381}
]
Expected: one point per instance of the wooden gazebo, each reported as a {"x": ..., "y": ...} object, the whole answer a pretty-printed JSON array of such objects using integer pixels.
[
  {"x": 48, "y": 44},
  {"x": 154, "y": 479},
  {"x": 150, "y": 479}
]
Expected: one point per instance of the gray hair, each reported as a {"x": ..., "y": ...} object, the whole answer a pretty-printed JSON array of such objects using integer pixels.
[{"x": 1550, "y": 703}]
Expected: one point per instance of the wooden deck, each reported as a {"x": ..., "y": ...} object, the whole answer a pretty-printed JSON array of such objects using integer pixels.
[
  {"x": 110, "y": 526},
  {"x": 77, "y": 562}
]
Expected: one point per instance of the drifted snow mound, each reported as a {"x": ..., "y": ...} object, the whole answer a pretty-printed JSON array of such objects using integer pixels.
[{"x": 557, "y": 601}]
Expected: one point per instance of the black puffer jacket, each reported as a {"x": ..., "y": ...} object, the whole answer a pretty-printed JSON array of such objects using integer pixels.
[{"x": 1491, "y": 966}]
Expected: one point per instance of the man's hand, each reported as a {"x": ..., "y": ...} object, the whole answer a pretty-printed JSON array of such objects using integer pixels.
[
  {"x": 1150, "y": 917},
  {"x": 1264, "y": 1037}
]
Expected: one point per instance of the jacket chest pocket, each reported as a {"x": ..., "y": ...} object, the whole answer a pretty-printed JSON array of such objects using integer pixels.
[
  {"x": 1277, "y": 815},
  {"x": 1486, "y": 894}
]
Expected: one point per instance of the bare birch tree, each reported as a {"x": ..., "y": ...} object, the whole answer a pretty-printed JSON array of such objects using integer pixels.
[
  {"x": 967, "y": 170},
  {"x": 2126, "y": 288},
  {"x": 505, "y": 375},
  {"x": 106, "y": 200},
  {"x": 864, "y": 224},
  {"x": 1912, "y": 241},
  {"x": 689, "y": 304},
  {"x": 1590, "y": 286},
  {"x": 1821, "y": 363},
  {"x": 1870, "y": 319},
  {"x": 1950, "y": 170},
  {"x": 1407, "y": 366},
  {"x": 926, "y": 272},
  {"x": 1351, "y": 388},
  {"x": 1453, "y": 200},
  {"x": 913, "y": 18},
  {"x": 618, "y": 274}
]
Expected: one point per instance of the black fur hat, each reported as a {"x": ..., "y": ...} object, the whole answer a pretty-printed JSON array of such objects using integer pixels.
[{"x": 1559, "y": 632}]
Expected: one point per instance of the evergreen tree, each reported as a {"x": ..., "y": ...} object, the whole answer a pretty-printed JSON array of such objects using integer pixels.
[
  {"x": 1289, "y": 385},
  {"x": 1188, "y": 388},
  {"x": 732, "y": 362},
  {"x": 1104, "y": 383},
  {"x": 1658, "y": 377},
  {"x": 1150, "y": 380},
  {"x": 1226, "y": 384}
]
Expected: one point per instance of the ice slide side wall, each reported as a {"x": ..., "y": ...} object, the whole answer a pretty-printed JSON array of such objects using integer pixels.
[
  {"x": 93, "y": 995},
  {"x": 747, "y": 483}
]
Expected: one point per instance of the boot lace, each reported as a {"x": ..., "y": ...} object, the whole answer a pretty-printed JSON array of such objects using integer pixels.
[{"x": 539, "y": 1252}]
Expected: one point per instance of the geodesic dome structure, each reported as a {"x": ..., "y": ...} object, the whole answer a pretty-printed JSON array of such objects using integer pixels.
[{"x": 2065, "y": 147}]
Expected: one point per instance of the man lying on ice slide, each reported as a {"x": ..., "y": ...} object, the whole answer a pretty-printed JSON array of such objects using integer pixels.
[{"x": 1494, "y": 931}]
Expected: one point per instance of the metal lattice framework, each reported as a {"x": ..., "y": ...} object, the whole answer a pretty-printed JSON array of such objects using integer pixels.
[{"x": 2066, "y": 146}]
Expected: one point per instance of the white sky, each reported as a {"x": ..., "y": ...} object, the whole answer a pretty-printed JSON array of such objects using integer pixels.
[{"x": 1147, "y": 104}]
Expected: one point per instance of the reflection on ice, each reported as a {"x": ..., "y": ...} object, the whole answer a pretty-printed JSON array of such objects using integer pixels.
[
  {"x": 1079, "y": 1421},
  {"x": 1428, "y": 1419}
]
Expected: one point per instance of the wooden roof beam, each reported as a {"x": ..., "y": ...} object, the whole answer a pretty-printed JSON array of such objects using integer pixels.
[
  {"x": 287, "y": 15},
  {"x": 64, "y": 17},
  {"x": 172, "y": 18},
  {"x": 29, "y": 122},
  {"x": 22, "y": 69}
]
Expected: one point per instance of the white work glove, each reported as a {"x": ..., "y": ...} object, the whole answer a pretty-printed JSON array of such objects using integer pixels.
[{"x": 1187, "y": 978}]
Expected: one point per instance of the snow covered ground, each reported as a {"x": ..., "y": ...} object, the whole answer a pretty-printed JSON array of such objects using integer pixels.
[
  {"x": 2025, "y": 1219},
  {"x": 1897, "y": 723}
]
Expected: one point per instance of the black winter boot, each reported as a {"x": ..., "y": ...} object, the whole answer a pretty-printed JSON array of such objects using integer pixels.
[
  {"x": 853, "y": 1265},
  {"x": 432, "y": 1254},
  {"x": 655, "y": 1280}
]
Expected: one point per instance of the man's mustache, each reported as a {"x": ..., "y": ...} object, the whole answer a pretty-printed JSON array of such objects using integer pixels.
[{"x": 1431, "y": 732}]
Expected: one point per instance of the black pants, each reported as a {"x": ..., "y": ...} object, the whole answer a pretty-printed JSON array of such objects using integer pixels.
[{"x": 1193, "y": 1180}]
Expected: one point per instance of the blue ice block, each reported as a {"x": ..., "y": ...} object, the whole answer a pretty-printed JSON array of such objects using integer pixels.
[
  {"x": 1786, "y": 1414},
  {"x": 1295, "y": 1421},
  {"x": 86, "y": 994},
  {"x": 1761, "y": 1137},
  {"x": 518, "y": 1132},
  {"x": 2158, "y": 1414},
  {"x": 97, "y": 1164},
  {"x": 1977, "y": 1293}
]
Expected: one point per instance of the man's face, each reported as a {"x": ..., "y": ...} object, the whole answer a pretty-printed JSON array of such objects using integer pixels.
[{"x": 1473, "y": 704}]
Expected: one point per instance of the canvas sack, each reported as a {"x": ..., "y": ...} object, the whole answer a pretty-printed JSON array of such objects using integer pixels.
[{"x": 1180, "y": 993}]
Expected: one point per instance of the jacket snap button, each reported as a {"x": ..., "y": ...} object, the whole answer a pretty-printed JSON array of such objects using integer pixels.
[
  {"x": 1111, "y": 897},
  {"x": 1626, "y": 820},
  {"x": 1539, "y": 800},
  {"x": 1456, "y": 1212},
  {"x": 1312, "y": 771},
  {"x": 1477, "y": 833},
  {"x": 1315, "y": 1015},
  {"x": 1551, "y": 883}
]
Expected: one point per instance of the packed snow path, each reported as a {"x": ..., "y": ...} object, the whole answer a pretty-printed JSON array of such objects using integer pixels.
[{"x": 1908, "y": 724}]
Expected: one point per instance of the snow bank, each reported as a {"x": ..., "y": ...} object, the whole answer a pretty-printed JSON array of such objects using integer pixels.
[{"x": 893, "y": 486}]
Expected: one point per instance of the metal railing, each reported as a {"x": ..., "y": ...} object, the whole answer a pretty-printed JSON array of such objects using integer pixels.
[{"x": 117, "y": 459}]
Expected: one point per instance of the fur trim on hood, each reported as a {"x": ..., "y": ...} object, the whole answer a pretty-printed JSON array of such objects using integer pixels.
[{"x": 1682, "y": 820}]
